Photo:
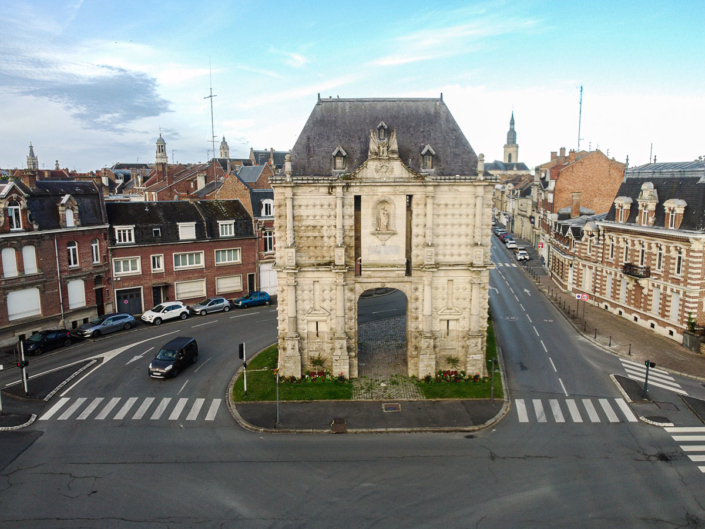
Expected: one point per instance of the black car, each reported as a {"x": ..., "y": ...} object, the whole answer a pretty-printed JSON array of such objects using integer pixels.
[
  {"x": 173, "y": 357},
  {"x": 43, "y": 341}
]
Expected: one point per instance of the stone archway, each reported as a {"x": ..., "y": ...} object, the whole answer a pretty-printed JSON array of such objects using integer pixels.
[{"x": 382, "y": 333}]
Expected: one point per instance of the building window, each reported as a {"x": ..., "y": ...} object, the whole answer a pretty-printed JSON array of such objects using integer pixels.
[
  {"x": 626, "y": 252},
  {"x": 672, "y": 218},
  {"x": 29, "y": 257},
  {"x": 124, "y": 234},
  {"x": 95, "y": 247},
  {"x": 428, "y": 161},
  {"x": 644, "y": 217},
  {"x": 69, "y": 218},
  {"x": 15, "y": 214},
  {"x": 621, "y": 214},
  {"x": 679, "y": 262},
  {"x": 190, "y": 289},
  {"x": 188, "y": 260},
  {"x": 72, "y": 248},
  {"x": 77, "y": 294},
  {"x": 223, "y": 285},
  {"x": 339, "y": 163},
  {"x": 9, "y": 262},
  {"x": 230, "y": 256},
  {"x": 131, "y": 265},
  {"x": 227, "y": 229},
  {"x": 23, "y": 303},
  {"x": 187, "y": 230},
  {"x": 611, "y": 248},
  {"x": 157, "y": 263},
  {"x": 642, "y": 256},
  {"x": 268, "y": 241},
  {"x": 659, "y": 258},
  {"x": 156, "y": 232},
  {"x": 267, "y": 208}
]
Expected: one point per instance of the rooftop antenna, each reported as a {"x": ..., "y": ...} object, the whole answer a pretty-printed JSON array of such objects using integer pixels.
[
  {"x": 651, "y": 151},
  {"x": 211, "y": 96},
  {"x": 173, "y": 160},
  {"x": 580, "y": 115}
]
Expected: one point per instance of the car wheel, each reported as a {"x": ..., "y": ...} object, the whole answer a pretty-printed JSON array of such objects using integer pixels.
[
  {"x": 267, "y": 303},
  {"x": 158, "y": 321},
  {"x": 195, "y": 359},
  {"x": 95, "y": 334},
  {"x": 174, "y": 373},
  {"x": 38, "y": 351},
  {"x": 202, "y": 313},
  {"x": 244, "y": 305},
  {"x": 184, "y": 315},
  {"x": 127, "y": 326},
  {"x": 67, "y": 342},
  {"x": 226, "y": 309}
]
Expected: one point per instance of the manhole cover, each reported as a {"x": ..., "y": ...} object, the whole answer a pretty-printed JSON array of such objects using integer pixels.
[
  {"x": 339, "y": 426},
  {"x": 666, "y": 406},
  {"x": 391, "y": 408},
  {"x": 511, "y": 318}
]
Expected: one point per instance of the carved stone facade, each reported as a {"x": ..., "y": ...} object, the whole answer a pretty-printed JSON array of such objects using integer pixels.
[{"x": 385, "y": 223}]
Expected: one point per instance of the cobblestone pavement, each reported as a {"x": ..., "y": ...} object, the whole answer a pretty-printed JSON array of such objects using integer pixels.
[
  {"x": 381, "y": 347},
  {"x": 386, "y": 387}
]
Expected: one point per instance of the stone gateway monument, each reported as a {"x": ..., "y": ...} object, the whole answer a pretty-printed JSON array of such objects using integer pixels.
[{"x": 381, "y": 194}]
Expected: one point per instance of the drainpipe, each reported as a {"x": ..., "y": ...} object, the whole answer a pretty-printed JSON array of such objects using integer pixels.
[{"x": 58, "y": 275}]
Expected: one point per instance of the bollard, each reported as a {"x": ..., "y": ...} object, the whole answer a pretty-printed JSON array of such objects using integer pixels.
[
  {"x": 610, "y": 345},
  {"x": 630, "y": 349},
  {"x": 595, "y": 334},
  {"x": 584, "y": 326}
]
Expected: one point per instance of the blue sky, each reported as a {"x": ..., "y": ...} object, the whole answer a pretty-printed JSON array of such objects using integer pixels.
[{"x": 91, "y": 82}]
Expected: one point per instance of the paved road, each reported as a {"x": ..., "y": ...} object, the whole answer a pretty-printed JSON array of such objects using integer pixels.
[{"x": 531, "y": 470}]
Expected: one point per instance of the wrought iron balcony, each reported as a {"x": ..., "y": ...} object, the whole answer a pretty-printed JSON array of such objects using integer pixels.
[{"x": 641, "y": 272}]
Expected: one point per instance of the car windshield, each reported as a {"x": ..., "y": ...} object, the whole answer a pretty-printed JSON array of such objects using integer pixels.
[
  {"x": 166, "y": 354},
  {"x": 158, "y": 308},
  {"x": 248, "y": 296},
  {"x": 36, "y": 337},
  {"x": 205, "y": 301},
  {"x": 98, "y": 320}
]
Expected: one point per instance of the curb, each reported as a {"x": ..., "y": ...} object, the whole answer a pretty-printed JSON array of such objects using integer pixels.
[
  {"x": 20, "y": 426},
  {"x": 621, "y": 390},
  {"x": 58, "y": 388},
  {"x": 654, "y": 423}
]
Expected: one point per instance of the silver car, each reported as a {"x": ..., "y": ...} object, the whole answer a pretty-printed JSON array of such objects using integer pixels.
[
  {"x": 106, "y": 324},
  {"x": 209, "y": 305}
]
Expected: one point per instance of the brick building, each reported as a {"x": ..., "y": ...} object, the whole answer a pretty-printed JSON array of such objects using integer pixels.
[
  {"x": 180, "y": 250},
  {"x": 53, "y": 239}
]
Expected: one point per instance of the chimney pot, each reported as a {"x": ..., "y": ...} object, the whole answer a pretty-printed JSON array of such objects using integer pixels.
[
  {"x": 554, "y": 155},
  {"x": 562, "y": 152},
  {"x": 574, "y": 205}
]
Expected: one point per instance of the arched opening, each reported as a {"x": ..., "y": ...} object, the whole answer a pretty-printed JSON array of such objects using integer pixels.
[
  {"x": 509, "y": 158},
  {"x": 381, "y": 333}
]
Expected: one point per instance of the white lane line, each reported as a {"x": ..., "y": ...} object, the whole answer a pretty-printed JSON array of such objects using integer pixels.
[
  {"x": 573, "y": 409},
  {"x": 510, "y": 288},
  {"x": 652, "y": 376},
  {"x": 202, "y": 364},
  {"x": 544, "y": 345},
  {"x": 685, "y": 429},
  {"x": 182, "y": 388},
  {"x": 625, "y": 410},
  {"x": 48, "y": 415},
  {"x": 642, "y": 366},
  {"x": 178, "y": 409},
  {"x": 521, "y": 410},
  {"x": 506, "y": 282},
  {"x": 681, "y": 438},
  {"x": 611, "y": 415},
  {"x": 659, "y": 385},
  {"x": 514, "y": 265},
  {"x": 45, "y": 373},
  {"x": 538, "y": 408},
  {"x": 143, "y": 409},
  {"x": 553, "y": 365},
  {"x": 243, "y": 315},
  {"x": 139, "y": 357},
  {"x": 90, "y": 409},
  {"x": 537, "y": 332},
  {"x": 591, "y": 411},
  {"x": 125, "y": 408},
  {"x": 693, "y": 448},
  {"x": 202, "y": 324},
  {"x": 213, "y": 410},
  {"x": 72, "y": 409},
  {"x": 556, "y": 409},
  {"x": 563, "y": 386},
  {"x": 195, "y": 409},
  {"x": 108, "y": 408},
  {"x": 697, "y": 459},
  {"x": 160, "y": 409},
  {"x": 515, "y": 297},
  {"x": 522, "y": 307},
  {"x": 529, "y": 319},
  {"x": 702, "y": 469}
]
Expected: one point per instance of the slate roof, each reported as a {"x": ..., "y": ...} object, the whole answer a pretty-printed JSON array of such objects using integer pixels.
[
  {"x": 250, "y": 174},
  {"x": 129, "y": 166},
  {"x": 499, "y": 165},
  {"x": 347, "y": 122},
  {"x": 257, "y": 196},
  {"x": 670, "y": 169},
  {"x": 43, "y": 202},
  {"x": 166, "y": 215},
  {"x": 209, "y": 188},
  {"x": 224, "y": 162},
  {"x": 577, "y": 224},
  {"x": 262, "y": 157}
]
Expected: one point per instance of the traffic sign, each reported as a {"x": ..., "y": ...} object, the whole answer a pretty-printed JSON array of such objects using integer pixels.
[
  {"x": 540, "y": 245},
  {"x": 585, "y": 297},
  {"x": 578, "y": 296}
]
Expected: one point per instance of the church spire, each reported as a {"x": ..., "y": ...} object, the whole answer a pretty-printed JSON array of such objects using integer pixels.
[
  {"x": 511, "y": 135},
  {"x": 32, "y": 161},
  {"x": 511, "y": 149}
]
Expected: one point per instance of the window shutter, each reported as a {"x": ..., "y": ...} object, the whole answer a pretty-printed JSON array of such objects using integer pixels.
[
  {"x": 190, "y": 289},
  {"x": 77, "y": 294},
  {"x": 23, "y": 303},
  {"x": 224, "y": 285}
]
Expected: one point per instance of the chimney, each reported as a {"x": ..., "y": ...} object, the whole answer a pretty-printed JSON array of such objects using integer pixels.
[
  {"x": 29, "y": 178},
  {"x": 271, "y": 155},
  {"x": 574, "y": 205},
  {"x": 481, "y": 164},
  {"x": 554, "y": 155},
  {"x": 571, "y": 155},
  {"x": 200, "y": 181},
  {"x": 563, "y": 152}
]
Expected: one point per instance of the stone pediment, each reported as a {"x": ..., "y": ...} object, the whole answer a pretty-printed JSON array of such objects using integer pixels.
[{"x": 376, "y": 169}]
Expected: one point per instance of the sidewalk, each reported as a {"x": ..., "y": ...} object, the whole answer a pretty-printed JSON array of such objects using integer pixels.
[{"x": 612, "y": 332}]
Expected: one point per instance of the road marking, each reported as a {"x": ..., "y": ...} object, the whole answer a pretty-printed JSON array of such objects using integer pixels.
[
  {"x": 564, "y": 391},
  {"x": 553, "y": 365},
  {"x": 685, "y": 429},
  {"x": 125, "y": 408},
  {"x": 515, "y": 297},
  {"x": 202, "y": 324},
  {"x": 693, "y": 448},
  {"x": 521, "y": 410},
  {"x": 510, "y": 288},
  {"x": 611, "y": 415},
  {"x": 556, "y": 409},
  {"x": 202, "y": 364},
  {"x": 573, "y": 409},
  {"x": 138, "y": 357},
  {"x": 243, "y": 315},
  {"x": 48, "y": 415},
  {"x": 161, "y": 408},
  {"x": 544, "y": 346},
  {"x": 591, "y": 411},
  {"x": 90, "y": 409},
  {"x": 72, "y": 409},
  {"x": 529, "y": 318},
  {"x": 697, "y": 459},
  {"x": 625, "y": 410},
  {"x": 178, "y": 409},
  {"x": 538, "y": 408},
  {"x": 642, "y": 366},
  {"x": 514, "y": 265},
  {"x": 658, "y": 385},
  {"x": 108, "y": 408},
  {"x": 527, "y": 291},
  {"x": 689, "y": 437},
  {"x": 537, "y": 332},
  {"x": 381, "y": 311},
  {"x": 522, "y": 307},
  {"x": 45, "y": 372},
  {"x": 506, "y": 282},
  {"x": 182, "y": 388},
  {"x": 652, "y": 376},
  {"x": 213, "y": 410},
  {"x": 195, "y": 409},
  {"x": 143, "y": 409}
]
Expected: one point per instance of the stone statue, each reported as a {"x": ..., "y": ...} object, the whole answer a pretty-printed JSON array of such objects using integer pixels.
[
  {"x": 374, "y": 144},
  {"x": 383, "y": 220},
  {"x": 393, "y": 146}
]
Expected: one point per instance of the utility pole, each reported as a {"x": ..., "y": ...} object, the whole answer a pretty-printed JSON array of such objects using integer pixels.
[
  {"x": 243, "y": 357},
  {"x": 211, "y": 96},
  {"x": 580, "y": 115}
]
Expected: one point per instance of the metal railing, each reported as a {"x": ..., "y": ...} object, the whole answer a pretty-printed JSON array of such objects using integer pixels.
[{"x": 633, "y": 270}]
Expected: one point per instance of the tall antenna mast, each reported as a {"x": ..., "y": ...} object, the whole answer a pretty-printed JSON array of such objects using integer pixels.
[
  {"x": 211, "y": 96},
  {"x": 580, "y": 115}
]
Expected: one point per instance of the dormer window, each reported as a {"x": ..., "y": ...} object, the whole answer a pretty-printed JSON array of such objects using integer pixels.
[
  {"x": 187, "y": 230},
  {"x": 339, "y": 156},
  {"x": 382, "y": 131},
  {"x": 124, "y": 234},
  {"x": 427, "y": 158},
  {"x": 14, "y": 213},
  {"x": 268, "y": 208},
  {"x": 674, "y": 208},
  {"x": 672, "y": 219},
  {"x": 69, "y": 219},
  {"x": 622, "y": 206}
]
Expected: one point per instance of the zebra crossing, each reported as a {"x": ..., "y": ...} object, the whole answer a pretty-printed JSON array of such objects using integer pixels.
[
  {"x": 507, "y": 264},
  {"x": 98, "y": 409},
  {"x": 573, "y": 407},
  {"x": 696, "y": 434},
  {"x": 657, "y": 377}
]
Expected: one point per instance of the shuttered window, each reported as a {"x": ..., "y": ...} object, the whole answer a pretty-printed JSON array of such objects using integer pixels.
[
  {"x": 77, "y": 294},
  {"x": 190, "y": 289},
  {"x": 224, "y": 285},
  {"x": 23, "y": 303},
  {"x": 9, "y": 262},
  {"x": 29, "y": 256}
]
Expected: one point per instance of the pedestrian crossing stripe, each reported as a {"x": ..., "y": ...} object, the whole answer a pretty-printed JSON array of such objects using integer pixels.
[
  {"x": 657, "y": 377},
  {"x": 690, "y": 434},
  {"x": 573, "y": 409},
  {"x": 129, "y": 404}
]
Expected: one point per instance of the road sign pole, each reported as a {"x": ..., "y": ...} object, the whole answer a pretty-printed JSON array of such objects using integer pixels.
[
  {"x": 243, "y": 357},
  {"x": 277, "y": 424},
  {"x": 492, "y": 383},
  {"x": 0, "y": 396},
  {"x": 584, "y": 303},
  {"x": 646, "y": 378},
  {"x": 24, "y": 369}
]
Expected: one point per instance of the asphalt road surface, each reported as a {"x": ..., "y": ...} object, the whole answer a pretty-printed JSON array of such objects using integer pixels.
[{"x": 594, "y": 468}]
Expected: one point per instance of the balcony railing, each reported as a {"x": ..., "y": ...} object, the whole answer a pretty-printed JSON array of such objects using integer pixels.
[{"x": 633, "y": 270}]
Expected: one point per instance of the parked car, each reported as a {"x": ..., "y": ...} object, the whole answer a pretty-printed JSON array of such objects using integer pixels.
[
  {"x": 252, "y": 299},
  {"x": 169, "y": 310},
  {"x": 523, "y": 255},
  {"x": 173, "y": 357},
  {"x": 503, "y": 236},
  {"x": 209, "y": 305},
  {"x": 519, "y": 249},
  {"x": 499, "y": 232},
  {"x": 106, "y": 324},
  {"x": 511, "y": 244},
  {"x": 43, "y": 341}
]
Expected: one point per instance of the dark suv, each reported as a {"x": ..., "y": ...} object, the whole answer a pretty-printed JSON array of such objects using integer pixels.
[
  {"x": 173, "y": 357},
  {"x": 43, "y": 341}
]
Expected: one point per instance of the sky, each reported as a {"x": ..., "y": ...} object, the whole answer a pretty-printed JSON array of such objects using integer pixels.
[{"x": 91, "y": 83}]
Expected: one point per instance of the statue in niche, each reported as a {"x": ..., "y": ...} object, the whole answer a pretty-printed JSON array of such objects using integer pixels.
[{"x": 383, "y": 219}]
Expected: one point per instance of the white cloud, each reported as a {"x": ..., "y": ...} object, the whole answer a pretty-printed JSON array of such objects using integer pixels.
[{"x": 295, "y": 60}]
